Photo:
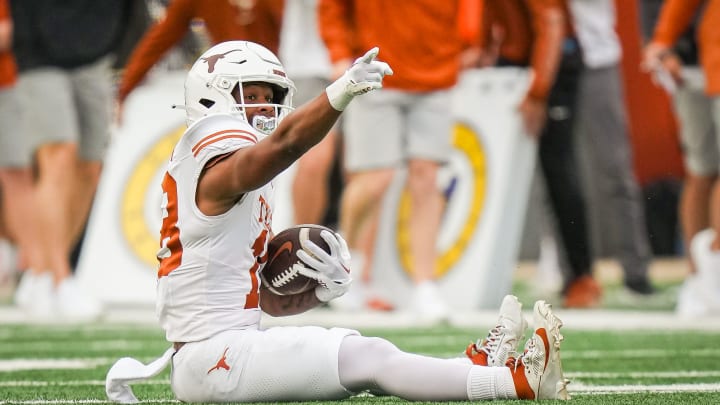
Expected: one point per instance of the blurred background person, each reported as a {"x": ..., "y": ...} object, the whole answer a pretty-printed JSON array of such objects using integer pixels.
[
  {"x": 306, "y": 60},
  {"x": 64, "y": 55},
  {"x": 538, "y": 34},
  {"x": 223, "y": 20},
  {"x": 407, "y": 125},
  {"x": 16, "y": 204},
  {"x": 604, "y": 141},
  {"x": 697, "y": 104}
]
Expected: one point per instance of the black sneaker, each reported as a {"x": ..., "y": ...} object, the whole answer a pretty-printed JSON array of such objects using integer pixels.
[{"x": 640, "y": 286}]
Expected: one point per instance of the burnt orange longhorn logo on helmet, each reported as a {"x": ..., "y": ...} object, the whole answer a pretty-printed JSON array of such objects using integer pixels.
[{"x": 212, "y": 59}]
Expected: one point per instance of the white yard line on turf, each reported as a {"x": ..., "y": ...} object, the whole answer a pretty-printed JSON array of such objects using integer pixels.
[
  {"x": 81, "y": 401},
  {"x": 77, "y": 383},
  {"x": 646, "y": 374},
  {"x": 638, "y": 389},
  {"x": 51, "y": 364},
  {"x": 577, "y": 389}
]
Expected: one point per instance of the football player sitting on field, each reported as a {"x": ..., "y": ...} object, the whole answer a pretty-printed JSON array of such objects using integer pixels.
[{"x": 218, "y": 206}]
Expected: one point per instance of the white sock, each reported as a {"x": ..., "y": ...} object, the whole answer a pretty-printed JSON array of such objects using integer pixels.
[{"x": 490, "y": 383}]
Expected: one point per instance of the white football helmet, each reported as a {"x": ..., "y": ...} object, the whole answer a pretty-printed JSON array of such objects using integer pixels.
[{"x": 211, "y": 80}]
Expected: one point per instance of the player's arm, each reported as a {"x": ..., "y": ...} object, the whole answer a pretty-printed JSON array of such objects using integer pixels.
[{"x": 252, "y": 167}]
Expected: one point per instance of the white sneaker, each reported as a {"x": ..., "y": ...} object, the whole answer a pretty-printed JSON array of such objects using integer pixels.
[
  {"x": 537, "y": 373},
  {"x": 690, "y": 301},
  {"x": 502, "y": 340},
  {"x": 34, "y": 295},
  {"x": 427, "y": 303},
  {"x": 75, "y": 304},
  {"x": 24, "y": 290},
  {"x": 708, "y": 268}
]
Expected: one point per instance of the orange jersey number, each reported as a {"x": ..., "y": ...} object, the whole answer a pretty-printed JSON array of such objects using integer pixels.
[{"x": 170, "y": 251}]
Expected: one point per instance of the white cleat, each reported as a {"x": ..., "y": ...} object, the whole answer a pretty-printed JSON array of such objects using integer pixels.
[
  {"x": 502, "y": 341},
  {"x": 537, "y": 373},
  {"x": 34, "y": 295}
]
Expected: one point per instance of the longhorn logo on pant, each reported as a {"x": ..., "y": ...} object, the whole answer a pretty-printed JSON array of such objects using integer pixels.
[{"x": 221, "y": 363}]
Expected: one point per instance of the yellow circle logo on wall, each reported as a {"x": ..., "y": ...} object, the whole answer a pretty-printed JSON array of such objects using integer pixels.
[
  {"x": 144, "y": 242},
  {"x": 467, "y": 142}
]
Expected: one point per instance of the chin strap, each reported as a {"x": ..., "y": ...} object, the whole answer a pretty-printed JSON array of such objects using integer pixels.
[{"x": 128, "y": 370}]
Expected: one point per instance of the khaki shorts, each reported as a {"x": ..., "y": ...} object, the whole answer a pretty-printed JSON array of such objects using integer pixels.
[
  {"x": 278, "y": 364},
  {"x": 69, "y": 106},
  {"x": 699, "y": 118},
  {"x": 16, "y": 147},
  {"x": 387, "y": 128}
]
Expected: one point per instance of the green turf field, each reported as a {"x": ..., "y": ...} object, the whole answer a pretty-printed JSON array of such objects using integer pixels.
[{"x": 67, "y": 364}]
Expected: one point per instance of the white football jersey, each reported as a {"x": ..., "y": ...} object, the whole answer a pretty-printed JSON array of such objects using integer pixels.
[{"x": 208, "y": 279}]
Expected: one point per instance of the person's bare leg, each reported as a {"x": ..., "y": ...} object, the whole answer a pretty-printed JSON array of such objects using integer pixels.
[
  {"x": 367, "y": 238},
  {"x": 54, "y": 197},
  {"x": 695, "y": 208},
  {"x": 361, "y": 203},
  {"x": 427, "y": 206},
  {"x": 4, "y": 231},
  {"x": 362, "y": 197},
  {"x": 85, "y": 186},
  {"x": 19, "y": 212},
  {"x": 715, "y": 215}
]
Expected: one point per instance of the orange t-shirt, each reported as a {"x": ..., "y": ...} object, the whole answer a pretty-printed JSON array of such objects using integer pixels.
[
  {"x": 526, "y": 38},
  {"x": 417, "y": 38},
  {"x": 259, "y": 22},
  {"x": 674, "y": 19},
  {"x": 8, "y": 70}
]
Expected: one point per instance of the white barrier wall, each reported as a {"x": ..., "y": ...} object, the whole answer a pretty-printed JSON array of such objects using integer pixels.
[
  {"x": 487, "y": 183},
  {"x": 118, "y": 261}
]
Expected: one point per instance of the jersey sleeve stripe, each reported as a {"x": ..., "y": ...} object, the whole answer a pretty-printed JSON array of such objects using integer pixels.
[
  {"x": 210, "y": 142},
  {"x": 201, "y": 143}
]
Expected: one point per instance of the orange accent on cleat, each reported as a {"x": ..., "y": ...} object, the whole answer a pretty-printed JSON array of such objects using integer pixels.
[
  {"x": 537, "y": 372},
  {"x": 478, "y": 357},
  {"x": 522, "y": 386}
]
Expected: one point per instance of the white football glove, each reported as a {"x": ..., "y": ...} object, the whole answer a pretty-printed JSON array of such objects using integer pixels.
[
  {"x": 366, "y": 74},
  {"x": 331, "y": 270}
]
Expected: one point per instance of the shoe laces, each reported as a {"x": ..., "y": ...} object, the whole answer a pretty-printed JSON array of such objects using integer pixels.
[
  {"x": 491, "y": 344},
  {"x": 513, "y": 361}
]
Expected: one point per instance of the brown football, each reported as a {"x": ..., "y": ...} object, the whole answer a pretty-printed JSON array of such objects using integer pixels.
[{"x": 280, "y": 274}]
